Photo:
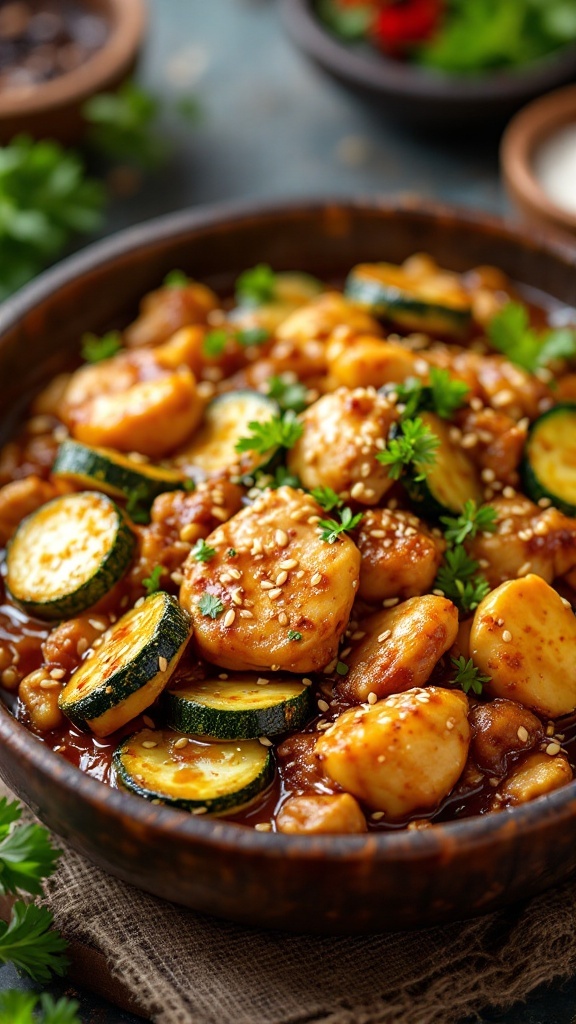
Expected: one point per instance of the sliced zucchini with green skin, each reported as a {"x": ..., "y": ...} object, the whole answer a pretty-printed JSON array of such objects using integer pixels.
[
  {"x": 451, "y": 481},
  {"x": 113, "y": 473},
  {"x": 68, "y": 554},
  {"x": 388, "y": 292},
  {"x": 127, "y": 672},
  {"x": 238, "y": 708},
  {"x": 548, "y": 465},
  {"x": 216, "y": 778},
  {"x": 226, "y": 420}
]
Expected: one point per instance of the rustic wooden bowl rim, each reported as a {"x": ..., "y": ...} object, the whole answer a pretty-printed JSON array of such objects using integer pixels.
[
  {"x": 381, "y": 73},
  {"x": 471, "y": 833},
  {"x": 128, "y": 21},
  {"x": 524, "y": 135}
]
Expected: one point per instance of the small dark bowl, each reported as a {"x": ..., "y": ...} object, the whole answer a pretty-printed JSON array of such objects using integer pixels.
[
  {"x": 326, "y": 883},
  {"x": 419, "y": 95}
]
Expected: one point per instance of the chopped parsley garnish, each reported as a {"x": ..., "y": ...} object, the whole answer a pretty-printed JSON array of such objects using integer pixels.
[
  {"x": 277, "y": 432},
  {"x": 256, "y": 286},
  {"x": 176, "y": 279},
  {"x": 293, "y": 634},
  {"x": 136, "y": 507},
  {"x": 210, "y": 606},
  {"x": 151, "y": 583},
  {"x": 414, "y": 448},
  {"x": 468, "y": 676},
  {"x": 326, "y": 498},
  {"x": 214, "y": 343},
  {"x": 189, "y": 485},
  {"x": 511, "y": 334},
  {"x": 290, "y": 394},
  {"x": 202, "y": 551},
  {"x": 231, "y": 552},
  {"x": 443, "y": 395},
  {"x": 330, "y": 530},
  {"x": 459, "y": 581},
  {"x": 95, "y": 349},
  {"x": 471, "y": 521},
  {"x": 342, "y": 668},
  {"x": 281, "y": 477},
  {"x": 252, "y": 336}
]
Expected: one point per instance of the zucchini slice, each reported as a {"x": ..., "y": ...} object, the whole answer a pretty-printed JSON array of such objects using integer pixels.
[
  {"x": 238, "y": 708},
  {"x": 451, "y": 481},
  {"x": 127, "y": 672},
  {"x": 68, "y": 554},
  {"x": 435, "y": 304},
  {"x": 226, "y": 420},
  {"x": 549, "y": 463},
  {"x": 114, "y": 474},
  {"x": 201, "y": 777}
]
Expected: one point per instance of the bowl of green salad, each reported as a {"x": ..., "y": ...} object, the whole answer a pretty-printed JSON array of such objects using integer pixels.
[{"x": 440, "y": 61}]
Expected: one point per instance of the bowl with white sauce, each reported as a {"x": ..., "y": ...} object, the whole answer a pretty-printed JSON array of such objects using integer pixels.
[{"x": 538, "y": 158}]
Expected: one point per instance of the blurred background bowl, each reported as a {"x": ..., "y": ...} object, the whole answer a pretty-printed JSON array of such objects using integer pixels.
[
  {"x": 53, "y": 109},
  {"x": 421, "y": 96}
]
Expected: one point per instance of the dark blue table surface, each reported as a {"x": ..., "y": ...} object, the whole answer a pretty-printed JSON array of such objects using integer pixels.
[{"x": 272, "y": 126}]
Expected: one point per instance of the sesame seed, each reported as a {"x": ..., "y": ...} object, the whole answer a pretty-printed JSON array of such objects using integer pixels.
[
  {"x": 315, "y": 579},
  {"x": 450, "y": 724},
  {"x": 162, "y": 663},
  {"x": 283, "y": 619},
  {"x": 323, "y": 705},
  {"x": 177, "y": 578},
  {"x": 274, "y": 594},
  {"x": 357, "y": 490},
  {"x": 148, "y": 721},
  {"x": 82, "y": 646},
  {"x": 506, "y": 636},
  {"x": 566, "y": 603},
  {"x": 384, "y": 636},
  {"x": 378, "y": 534},
  {"x": 524, "y": 569},
  {"x": 377, "y": 815},
  {"x": 274, "y": 668},
  {"x": 266, "y": 584},
  {"x": 488, "y": 475},
  {"x": 219, "y": 513},
  {"x": 244, "y": 613},
  {"x": 358, "y": 635},
  {"x": 57, "y": 673},
  {"x": 390, "y": 602},
  {"x": 229, "y": 617},
  {"x": 261, "y": 681},
  {"x": 181, "y": 743},
  {"x": 550, "y": 729},
  {"x": 312, "y": 520},
  {"x": 149, "y": 744},
  {"x": 189, "y": 532},
  {"x": 49, "y": 684},
  {"x": 235, "y": 573},
  {"x": 100, "y": 626},
  {"x": 522, "y": 734},
  {"x": 108, "y": 689},
  {"x": 552, "y": 749},
  {"x": 222, "y": 675},
  {"x": 306, "y": 681},
  {"x": 372, "y": 697},
  {"x": 437, "y": 592},
  {"x": 200, "y": 810},
  {"x": 263, "y": 826},
  {"x": 264, "y": 741},
  {"x": 544, "y": 502},
  {"x": 509, "y": 492},
  {"x": 237, "y": 596},
  {"x": 281, "y": 578},
  {"x": 281, "y": 538},
  {"x": 288, "y": 563}
]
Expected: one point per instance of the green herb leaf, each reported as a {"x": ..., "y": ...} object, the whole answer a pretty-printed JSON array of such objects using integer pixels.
[
  {"x": 350, "y": 22},
  {"x": 232, "y": 552},
  {"x": 468, "y": 677},
  {"x": 252, "y": 336},
  {"x": 289, "y": 393},
  {"x": 19, "y": 1008},
  {"x": 29, "y": 942},
  {"x": 188, "y": 485},
  {"x": 293, "y": 634},
  {"x": 202, "y": 551},
  {"x": 151, "y": 583},
  {"x": 136, "y": 506},
  {"x": 330, "y": 530},
  {"x": 342, "y": 668},
  {"x": 459, "y": 581},
  {"x": 414, "y": 448},
  {"x": 277, "y": 432},
  {"x": 26, "y": 852},
  {"x": 471, "y": 521},
  {"x": 326, "y": 498},
  {"x": 256, "y": 286},
  {"x": 95, "y": 349},
  {"x": 443, "y": 395},
  {"x": 176, "y": 279},
  {"x": 210, "y": 606},
  {"x": 214, "y": 343},
  {"x": 511, "y": 334},
  {"x": 123, "y": 125}
]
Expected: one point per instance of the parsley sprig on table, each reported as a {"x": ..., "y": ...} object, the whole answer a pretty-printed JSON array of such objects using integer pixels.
[
  {"x": 414, "y": 448},
  {"x": 443, "y": 394},
  {"x": 459, "y": 580},
  {"x": 22, "y": 1008},
  {"x": 471, "y": 521},
  {"x": 511, "y": 334},
  {"x": 276, "y": 432},
  {"x": 330, "y": 529},
  {"x": 95, "y": 349},
  {"x": 468, "y": 676}
]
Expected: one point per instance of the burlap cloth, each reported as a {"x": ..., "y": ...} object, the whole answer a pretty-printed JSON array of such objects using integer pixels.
[{"x": 178, "y": 967}]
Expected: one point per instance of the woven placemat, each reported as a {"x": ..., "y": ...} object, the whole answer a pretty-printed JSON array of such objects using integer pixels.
[{"x": 174, "y": 966}]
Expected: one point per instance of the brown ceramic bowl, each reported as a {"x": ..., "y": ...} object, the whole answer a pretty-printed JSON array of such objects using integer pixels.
[
  {"x": 418, "y": 95},
  {"x": 326, "y": 883},
  {"x": 54, "y": 109},
  {"x": 520, "y": 143}
]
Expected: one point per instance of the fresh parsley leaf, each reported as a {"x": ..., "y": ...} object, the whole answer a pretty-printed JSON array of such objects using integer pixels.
[
  {"x": 511, "y": 334},
  {"x": 277, "y": 432},
  {"x": 202, "y": 551},
  {"x": 210, "y": 606},
  {"x": 459, "y": 581},
  {"x": 256, "y": 286},
  {"x": 293, "y": 634},
  {"x": 448, "y": 395},
  {"x": 231, "y": 552},
  {"x": 45, "y": 198},
  {"x": 214, "y": 343},
  {"x": 19, "y": 1008},
  {"x": 350, "y": 22},
  {"x": 414, "y": 447},
  {"x": 151, "y": 583},
  {"x": 136, "y": 506},
  {"x": 330, "y": 530},
  {"x": 468, "y": 676},
  {"x": 95, "y": 349},
  {"x": 410, "y": 395},
  {"x": 252, "y": 336},
  {"x": 29, "y": 942},
  {"x": 281, "y": 477},
  {"x": 289, "y": 393},
  {"x": 123, "y": 125},
  {"x": 471, "y": 521},
  {"x": 326, "y": 498},
  {"x": 176, "y": 279},
  {"x": 189, "y": 485},
  {"x": 342, "y": 668},
  {"x": 26, "y": 857}
]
